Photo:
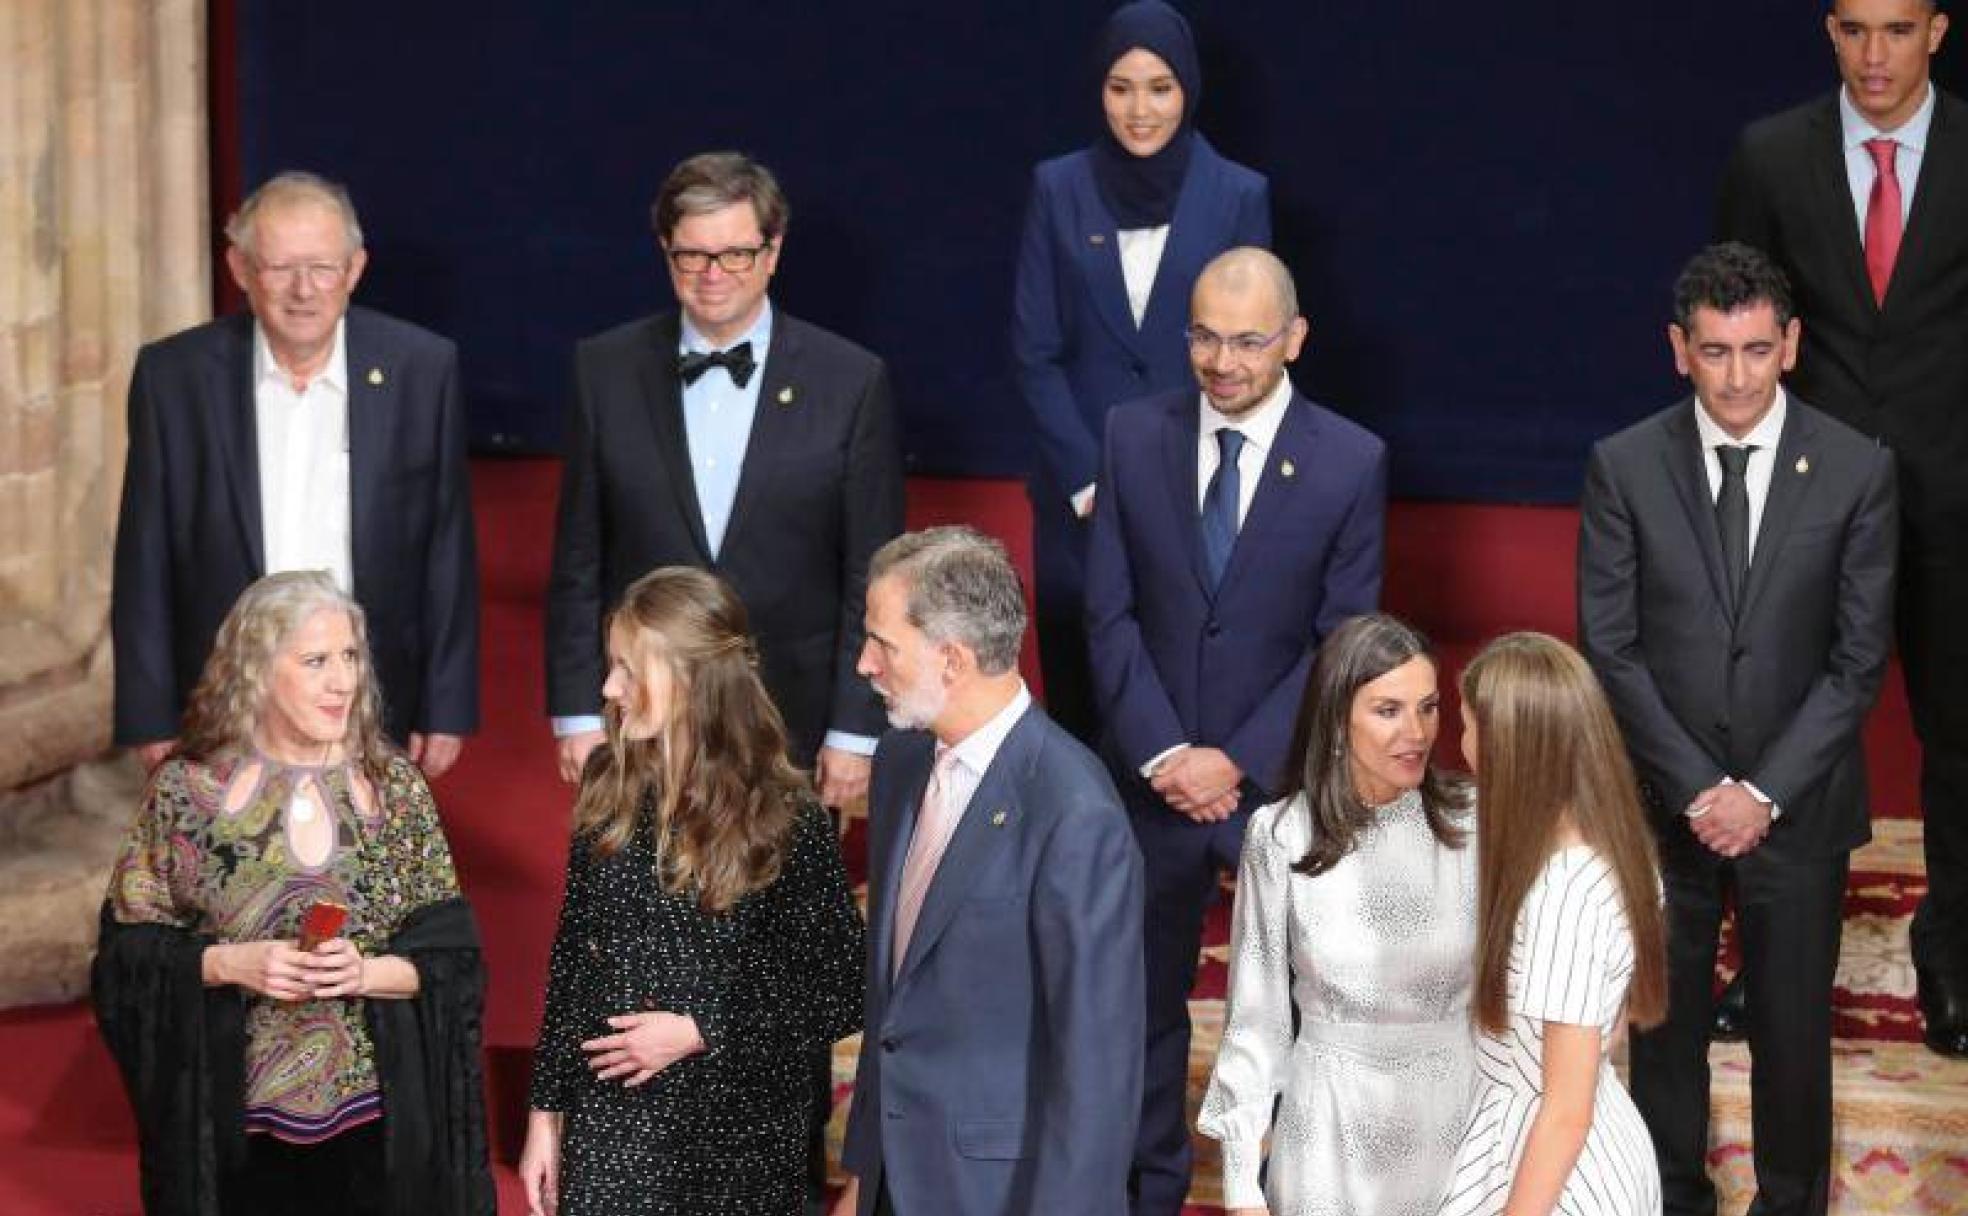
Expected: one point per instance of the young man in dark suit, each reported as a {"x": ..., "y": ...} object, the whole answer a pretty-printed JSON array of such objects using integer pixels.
[
  {"x": 1862, "y": 197},
  {"x": 305, "y": 434},
  {"x": 732, "y": 437},
  {"x": 1234, "y": 528},
  {"x": 1736, "y": 558}
]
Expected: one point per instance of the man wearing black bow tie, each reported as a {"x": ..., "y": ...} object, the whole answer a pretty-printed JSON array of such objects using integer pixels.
[{"x": 731, "y": 437}]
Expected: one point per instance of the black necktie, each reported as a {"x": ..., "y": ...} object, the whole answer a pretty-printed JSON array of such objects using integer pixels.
[
  {"x": 1732, "y": 514},
  {"x": 1220, "y": 503},
  {"x": 691, "y": 365}
]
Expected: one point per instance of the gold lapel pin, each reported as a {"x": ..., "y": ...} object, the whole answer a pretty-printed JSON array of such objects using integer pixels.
[
  {"x": 1803, "y": 464},
  {"x": 1287, "y": 468},
  {"x": 786, "y": 395},
  {"x": 997, "y": 819},
  {"x": 1096, "y": 238},
  {"x": 375, "y": 375}
]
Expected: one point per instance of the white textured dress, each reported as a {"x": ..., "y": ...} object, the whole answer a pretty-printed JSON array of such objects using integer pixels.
[
  {"x": 1376, "y": 954},
  {"x": 1571, "y": 958}
]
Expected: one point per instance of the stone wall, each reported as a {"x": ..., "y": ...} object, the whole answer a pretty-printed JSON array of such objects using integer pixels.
[{"x": 103, "y": 245}]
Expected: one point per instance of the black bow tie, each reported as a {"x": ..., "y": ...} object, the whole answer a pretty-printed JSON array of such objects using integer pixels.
[{"x": 737, "y": 361}]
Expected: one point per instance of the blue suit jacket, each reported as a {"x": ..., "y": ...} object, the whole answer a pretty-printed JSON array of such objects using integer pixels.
[
  {"x": 1175, "y": 662},
  {"x": 1077, "y": 349},
  {"x": 1000, "y": 1070}
]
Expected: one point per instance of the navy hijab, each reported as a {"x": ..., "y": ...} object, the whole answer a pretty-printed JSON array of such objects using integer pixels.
[{"x": 1141, "y": 191}]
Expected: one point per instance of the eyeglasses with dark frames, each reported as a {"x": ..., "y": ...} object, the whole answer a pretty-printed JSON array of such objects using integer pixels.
[{"x": 736, "y": 260}]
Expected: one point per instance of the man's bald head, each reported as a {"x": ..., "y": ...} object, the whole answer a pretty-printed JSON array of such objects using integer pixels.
[
  {"x": 1243, "y": 328},
  {"x": 1247, "y": 269}
]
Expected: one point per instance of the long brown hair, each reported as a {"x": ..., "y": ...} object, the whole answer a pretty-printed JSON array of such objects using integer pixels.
[
  {"x": 1550, "y": 750},
  {"x": 723, "y": 793},
  {"x": 231, "y": 695},
  {"x": 1360, "y": 651}
]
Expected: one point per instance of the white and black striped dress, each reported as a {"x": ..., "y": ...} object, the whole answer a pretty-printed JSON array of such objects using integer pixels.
[{"x": 1569, "y": 963}]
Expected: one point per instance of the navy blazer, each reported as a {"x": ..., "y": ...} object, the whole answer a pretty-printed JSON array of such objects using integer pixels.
[
  {"x": 1077, "y": 349},
  {"x": 820, "y": 491},
  {"x": 189, "y": 536},
  {"x": 1175, "y": 662},
  {"x": 1000, "y": 1071}
]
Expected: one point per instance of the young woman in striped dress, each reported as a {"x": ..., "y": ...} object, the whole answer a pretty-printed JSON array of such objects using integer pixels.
[{"x": 1570, "y": 943}]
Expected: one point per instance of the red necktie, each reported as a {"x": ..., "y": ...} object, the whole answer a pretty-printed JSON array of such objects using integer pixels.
[{"x": 1883, "y": 226}]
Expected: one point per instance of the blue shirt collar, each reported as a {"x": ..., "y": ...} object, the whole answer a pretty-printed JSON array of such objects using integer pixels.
[{"x": 759, "y": 335}]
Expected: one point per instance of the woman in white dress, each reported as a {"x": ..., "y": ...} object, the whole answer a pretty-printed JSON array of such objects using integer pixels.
[
  {"x": 1356, "y": 904},
  {"x": 1570, "y": 943}
]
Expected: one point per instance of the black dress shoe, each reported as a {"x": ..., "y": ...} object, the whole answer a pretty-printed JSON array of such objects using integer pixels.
[
  {"x": 1944, "y": 1010},
  {"x": 1731, "y": 1024}
]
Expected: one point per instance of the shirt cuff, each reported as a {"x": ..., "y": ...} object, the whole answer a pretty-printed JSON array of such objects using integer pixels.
[
  {"x": 1776, "y": 812},
  {"x": 846, "y": 741},
  {"x": 1082, "y": 500},
  {"x": 1160, "y": 758},
  {"x": 574, "y": 724}
]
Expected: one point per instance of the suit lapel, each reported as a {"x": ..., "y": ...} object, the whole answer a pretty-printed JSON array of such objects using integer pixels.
[
  {"x": 1099, "y": 248},
  {"x": 1790, "y": 482},
  {"x": 372, "y": 392},
  {"x": 1682, "y": 457},
  {"x": 1830, "y": 195},
  {"x": 778, "y": 398},
  {"x": 663, "y": 399},
  {"x": 238, "y": 415},
  {"x": 1179, "y": 439},
  {"x": 1291, "y": 450},
  {"x": 992, "y": 817},
  {"x": 1174, "y": 275},
  {"x": 913, "y": 765}
]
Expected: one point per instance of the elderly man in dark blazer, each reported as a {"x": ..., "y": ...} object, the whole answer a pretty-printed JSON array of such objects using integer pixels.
[
  {"x": 738, "y": 439},
  {"x": 1233, "y": 530},
  {"x": 1736, "y": 559},
  {"x": 304, "y": 435},
  {"x": 1001, "y": 1066},
  {"x": 1861, "y": 196}
]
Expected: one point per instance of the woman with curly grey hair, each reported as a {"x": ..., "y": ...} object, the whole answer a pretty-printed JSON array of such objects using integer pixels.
[{"x": 257, "y": 1057}]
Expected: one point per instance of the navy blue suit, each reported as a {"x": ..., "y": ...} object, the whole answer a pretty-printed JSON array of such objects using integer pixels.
[
  {"x": 1175, "y": 662},
  {"x": 1001, "y": 1068},
  {"x": 189, "y": 537},
  {"x": 1079, "y": 352}
]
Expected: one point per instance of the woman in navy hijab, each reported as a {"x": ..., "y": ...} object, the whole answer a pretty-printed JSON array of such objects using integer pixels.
[{"x": 1115, "y": 236}]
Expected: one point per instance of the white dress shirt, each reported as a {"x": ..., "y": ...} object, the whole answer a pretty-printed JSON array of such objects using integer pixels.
[
  {"x": 304, "y": 463},
  {"x": 1756, "y": 471},
  {"x": 1141, "y": 258},
  {"x": 976, "y": 750},
  {"x": 1859, "y": 166}
]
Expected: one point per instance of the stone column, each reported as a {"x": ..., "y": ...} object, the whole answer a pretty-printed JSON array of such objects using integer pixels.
[{"x": 103, "y": 246}]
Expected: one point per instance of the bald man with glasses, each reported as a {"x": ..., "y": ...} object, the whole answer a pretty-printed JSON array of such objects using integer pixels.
[{"x": 1235, "y": 527}]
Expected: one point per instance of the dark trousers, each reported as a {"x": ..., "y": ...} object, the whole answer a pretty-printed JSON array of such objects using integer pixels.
[
  {"x": 1182, "y": 861},
  {"x": 1933, "y": 608},
  {"x": 1060, "y": 623},
  {"x": 341, "y": 1176},
  {"x": 1788, "y": 919}
]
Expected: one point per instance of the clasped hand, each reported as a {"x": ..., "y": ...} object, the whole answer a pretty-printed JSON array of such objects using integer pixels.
[
  {"x": 1200, "y": 782},
  {"x": 643, "y": 1045},
  {"x": 1728, "y": 819},
  {"x": 279, "y": 970}
]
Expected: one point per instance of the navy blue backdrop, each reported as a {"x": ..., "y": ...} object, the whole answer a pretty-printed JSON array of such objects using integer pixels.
[{"x": 1484, "y": 205}]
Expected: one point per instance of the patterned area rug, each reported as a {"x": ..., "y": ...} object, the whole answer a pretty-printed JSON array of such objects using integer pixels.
[{"x": 1901, "y": 1129}]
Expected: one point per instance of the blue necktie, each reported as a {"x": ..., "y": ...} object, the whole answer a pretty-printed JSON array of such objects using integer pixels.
[{"x": 1220, "y": 503}]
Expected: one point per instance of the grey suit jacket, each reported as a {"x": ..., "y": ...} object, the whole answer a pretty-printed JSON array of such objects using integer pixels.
[{"x": 1773, "y": 690}]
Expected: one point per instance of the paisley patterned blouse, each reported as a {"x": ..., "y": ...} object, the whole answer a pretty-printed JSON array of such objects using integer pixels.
[{"x": 237, "y": 848}]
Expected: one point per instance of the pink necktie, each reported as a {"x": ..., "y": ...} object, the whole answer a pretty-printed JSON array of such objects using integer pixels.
[
  {"x": 935, "y": 824},
  {"x": 1883, "y": 226}
]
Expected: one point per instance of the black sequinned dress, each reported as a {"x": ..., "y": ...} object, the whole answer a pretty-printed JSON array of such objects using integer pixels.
[{"x": 768, "y": 983}]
